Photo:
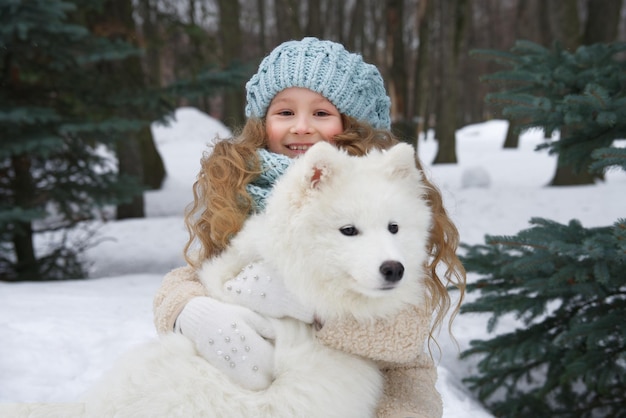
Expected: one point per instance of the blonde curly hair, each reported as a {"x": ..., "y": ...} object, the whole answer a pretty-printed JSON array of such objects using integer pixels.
[{"x": 221, "y": 205}]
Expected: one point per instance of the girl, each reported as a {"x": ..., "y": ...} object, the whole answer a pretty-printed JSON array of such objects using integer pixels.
[{"x": 303, "y": 92}]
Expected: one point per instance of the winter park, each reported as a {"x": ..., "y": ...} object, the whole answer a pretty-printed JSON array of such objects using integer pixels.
[
  {"x": 59, "y": 337},
  {"x": 335, "y": 275}
]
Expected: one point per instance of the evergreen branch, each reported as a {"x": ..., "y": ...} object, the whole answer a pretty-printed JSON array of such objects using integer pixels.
[
  {"x": 577, "y": 342},
  {"x": 608, "y": 157}
]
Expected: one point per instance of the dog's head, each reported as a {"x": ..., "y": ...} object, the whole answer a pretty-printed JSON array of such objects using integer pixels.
[{"x": 350, "y": 233}]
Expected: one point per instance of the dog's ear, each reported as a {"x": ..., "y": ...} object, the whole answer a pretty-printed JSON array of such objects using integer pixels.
[
  {"x": 399, "y": 161},
  {"x": 322, "y": 162},
  {"x": 318, "y": 173}
]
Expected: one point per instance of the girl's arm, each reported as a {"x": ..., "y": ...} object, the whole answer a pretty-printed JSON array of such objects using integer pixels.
[
  {"x": 398, "y": 340},
  {"x": 410, "y": 392},
  {"x": 397, "y": 345},
  {"x": 179, "y": 286}
]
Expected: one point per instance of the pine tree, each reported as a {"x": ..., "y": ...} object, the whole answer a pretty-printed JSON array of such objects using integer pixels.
[
  {"x": 582, "y": 94},
  {"x": 61, "y": 115},
  {"x": 568, "y": 286},
  {"x": 566, "y": 283}
]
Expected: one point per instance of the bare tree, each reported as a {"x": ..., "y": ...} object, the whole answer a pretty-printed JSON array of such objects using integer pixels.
[
  {"x": 603, "y": 18},
  {"x": 422, "y": 66},
  {"x": 314, "y": 21},
  {"x": 287, "y": 22},
  {"x": 423, "y": 82},
  {"x": 356, "y": 32},
  {"x": 137, "y": 155},
  {"x": 453, "y": 19},
  {"x": 602, "y": 24},
  {"x": 396, "y": 70},
  {"x": 532, "y": 22},
  {"x": 231, "y": 42},
  {"x": 395, "y": 63},
  {"x": 261, "y": 5},
  {"x": 565, "y": 24},
  {"x": 151, "y": 40}
]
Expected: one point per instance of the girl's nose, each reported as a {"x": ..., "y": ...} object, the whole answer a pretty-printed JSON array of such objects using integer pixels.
[{"x": 302, "y": 125}]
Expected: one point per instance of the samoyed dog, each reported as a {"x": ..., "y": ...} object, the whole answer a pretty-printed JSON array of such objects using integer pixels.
[{"x": 348, "y": 235}]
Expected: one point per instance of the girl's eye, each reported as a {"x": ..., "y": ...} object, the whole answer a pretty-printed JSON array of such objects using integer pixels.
[
  {"x": 321, "y": 113},
  {"x": 285, "y": 113},
  {"x": 393, "y": 227},
  {"x": 349, "y": 230}
]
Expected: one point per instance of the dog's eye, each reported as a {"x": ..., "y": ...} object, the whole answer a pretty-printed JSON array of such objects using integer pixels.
[
  {"x": 393, "y": 227},
  {"x": 349, "y": 230}
]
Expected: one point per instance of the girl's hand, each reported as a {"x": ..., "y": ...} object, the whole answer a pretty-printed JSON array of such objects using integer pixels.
[
  {"x": 259, "y": 288},
  {"x": 231, "y": 338}
]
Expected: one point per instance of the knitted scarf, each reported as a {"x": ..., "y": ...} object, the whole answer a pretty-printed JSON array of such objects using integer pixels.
[{"x": 272, "y": 167}]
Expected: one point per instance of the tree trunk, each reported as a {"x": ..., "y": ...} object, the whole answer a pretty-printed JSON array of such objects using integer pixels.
[
  {"x": 131, "y": 163},
  {"x": 402, "y": 126},
  {"x": 117, "y": 16},
  {"x": 339, "y": 20},
  {"x": 565, "y": 23},
  {"x": 396, "y": 69},
  {"x": 602, "y": 24},
  {"x": 153, "y": 167},
  {"x": 565, "y": 175},
  {"x": 532, "y": 23},
  {"x": 511, "y": 141},
  {"x": 422, "y": 67},
  {"x": 24, "y": 192},
  {"x": 314, "y": 21},
  {"x": 355, "y": 40},
  {"x": 231, "y": 41},
  {"x": 603, "y": 18},
  {"x": 453, "y": 19},
  {"x": 370, "y": 49},
  {"x": 151, "y": 40},
  {"x": 287, "y": 24},
  {"x": 262, "y": 35},
  {"x": 197, "y": 58}
]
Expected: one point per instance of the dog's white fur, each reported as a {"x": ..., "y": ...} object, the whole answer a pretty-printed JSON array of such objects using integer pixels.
[{"x": 338, "y": 273}]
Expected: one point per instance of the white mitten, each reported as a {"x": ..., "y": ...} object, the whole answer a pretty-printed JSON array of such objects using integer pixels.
[
  {"x": 259, "y": 288},
  {"x": 231, "y": 338}
]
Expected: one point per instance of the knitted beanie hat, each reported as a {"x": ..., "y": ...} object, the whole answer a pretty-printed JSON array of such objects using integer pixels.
[{"x": 355, "y": 87}]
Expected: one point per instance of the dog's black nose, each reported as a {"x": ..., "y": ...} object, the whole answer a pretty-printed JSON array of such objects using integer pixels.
[{"x": 392, "y": 270}]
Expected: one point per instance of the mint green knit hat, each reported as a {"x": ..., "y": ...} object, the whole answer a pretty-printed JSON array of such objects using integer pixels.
[{"x": 355, "y": 87}]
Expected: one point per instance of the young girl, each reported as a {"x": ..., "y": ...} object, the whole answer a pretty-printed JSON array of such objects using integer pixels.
[{"x": 304, "y": 92}]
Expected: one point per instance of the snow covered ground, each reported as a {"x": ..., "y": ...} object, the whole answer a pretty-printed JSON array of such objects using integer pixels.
[{"x": 57, "y": 338}]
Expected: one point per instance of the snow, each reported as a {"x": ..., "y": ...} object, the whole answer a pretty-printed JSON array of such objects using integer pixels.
[{"x": 57, "y": 338}]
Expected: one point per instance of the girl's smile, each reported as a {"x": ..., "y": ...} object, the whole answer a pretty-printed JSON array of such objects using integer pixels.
[{"x": 297, "y": 118}]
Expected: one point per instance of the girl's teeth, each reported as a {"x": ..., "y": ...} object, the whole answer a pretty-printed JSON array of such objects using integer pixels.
[{"x": 299, "y": 147}]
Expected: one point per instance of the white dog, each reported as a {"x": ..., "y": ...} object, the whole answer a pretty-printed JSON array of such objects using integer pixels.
[{"x": 348, "y": 235}]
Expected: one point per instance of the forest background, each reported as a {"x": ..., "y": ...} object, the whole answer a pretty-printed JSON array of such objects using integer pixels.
[
  {"x": 422, "y": 48},
  {"x": 76, "y": 75},
  {"x": 83, "y": 81}
]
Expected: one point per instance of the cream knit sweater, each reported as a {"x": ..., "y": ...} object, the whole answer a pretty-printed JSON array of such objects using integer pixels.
[{"x": 397, "y": 347}]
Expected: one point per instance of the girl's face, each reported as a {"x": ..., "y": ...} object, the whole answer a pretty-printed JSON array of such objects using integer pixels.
[{"x": 297, "y": 118}]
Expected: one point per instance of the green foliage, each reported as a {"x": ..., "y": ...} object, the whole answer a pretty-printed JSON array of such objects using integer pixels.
[
  {"x": 567, "y": 285},
  {"x": 564, "y": 284},
  {"x": 57, "y": 124},
  {"x": 65, "y": 105},
  {"x": 608, "y": 157},
  {"x": 582, "y": 94}
]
